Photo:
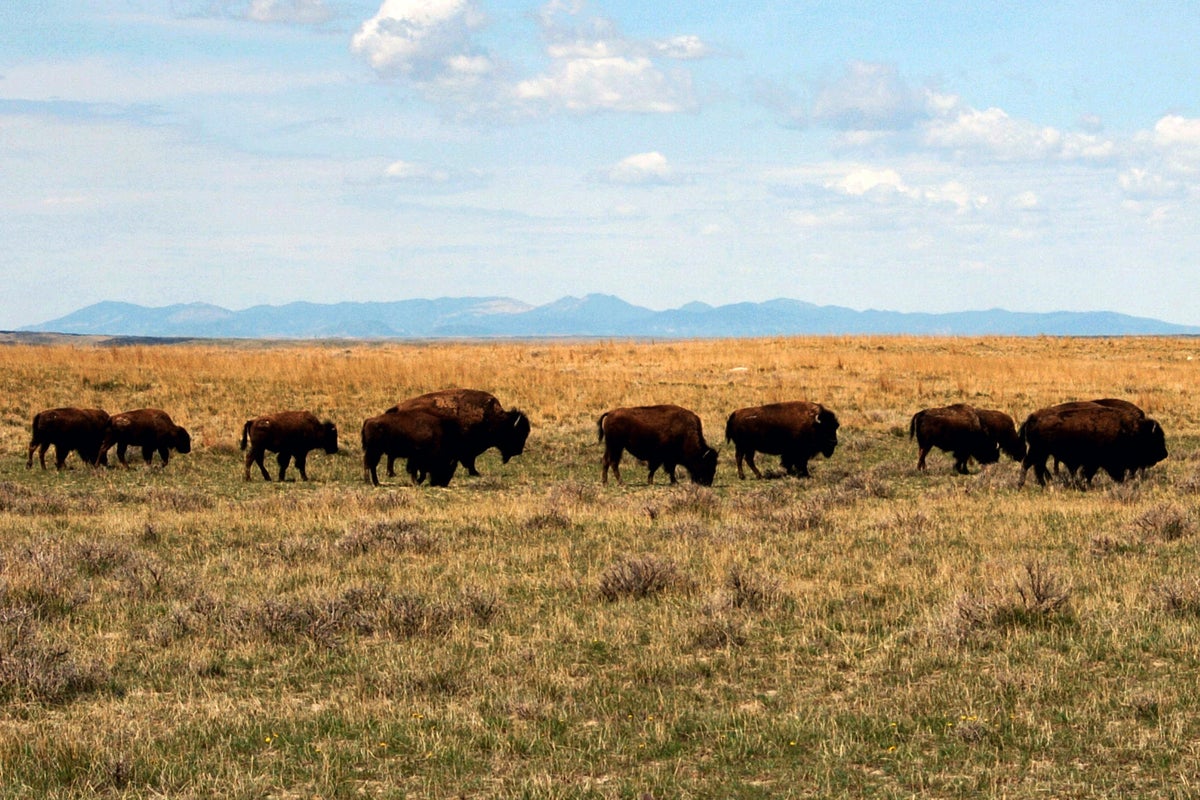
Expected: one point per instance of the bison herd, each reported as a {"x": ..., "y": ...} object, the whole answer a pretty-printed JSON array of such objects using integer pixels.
[{"x": 436, "y": 432}]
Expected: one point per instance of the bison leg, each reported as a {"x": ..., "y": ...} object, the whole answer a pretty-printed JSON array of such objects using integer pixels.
[
  {"x": 60, "y": 456},
  {"x": 922, "y": 451},
  {"x": 148, "y": 455},
  {"x": 750, "y": 463},
  {"x": 301, "y": 464},
  {"x": 960, "y": 464},
  {"x": 41, "y": 454},
  {"x": 468, "y": 463},
  {"x": 370, "y": 466},
  {"x": 283, "y": 459},
  {"x": 612, "y": 458},
  {"x": 391, "y": 466},
  {"x": 256, "y": 456},
  {"x": 121, "y": 449}
]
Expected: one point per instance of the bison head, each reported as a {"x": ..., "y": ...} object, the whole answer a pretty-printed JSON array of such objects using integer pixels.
[
  {"x": 1151, "y": 444},
  {"x": 329, "y": 437},
  {"x": 703, "y": 469},
  {"x": 512, "y": 436},
  {"x": 183, "y": 441},
  {"x": 827, "y": 428}
]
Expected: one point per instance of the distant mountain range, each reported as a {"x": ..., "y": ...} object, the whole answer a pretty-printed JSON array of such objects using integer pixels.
[{"x": 595, "y": 315}]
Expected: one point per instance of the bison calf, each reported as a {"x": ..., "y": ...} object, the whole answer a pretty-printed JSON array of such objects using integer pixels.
[
  {"x": 79, "y": 429},
  {"x": 151, "y": 429},
  {"x": 429, "y": 441},
  {"x": 288, "y": 434},
  {"x": 966, "y": 432},
  {"x": 662, "y": 436},
  {"x": 796, "y": 431}
]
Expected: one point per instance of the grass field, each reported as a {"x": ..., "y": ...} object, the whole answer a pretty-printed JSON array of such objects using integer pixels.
[{"x": 870, "y": 631}]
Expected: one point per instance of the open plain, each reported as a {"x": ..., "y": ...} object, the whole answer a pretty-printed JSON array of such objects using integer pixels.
[{"x": 868, "y": 631}]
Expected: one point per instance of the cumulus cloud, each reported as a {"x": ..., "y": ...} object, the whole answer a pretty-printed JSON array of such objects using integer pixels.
[
  {"x": 642, "y": 169},
  {"x": 993, "y": 133},
  {"x": 595, "y": 68},
  {"x": 1142, "y": 184},
  {"x": 419, "y": 176},
  {"x": 885, "y": 184},
  {"x": 428, "y": 41}
]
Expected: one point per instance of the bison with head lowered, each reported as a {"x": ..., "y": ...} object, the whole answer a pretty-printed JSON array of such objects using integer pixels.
[
  {"x": 966, "y": 432},
  {"x": 481, "y": 421},
  {"x": 662, "y": 436},
  {"x": 289, "y": 434},
  {"x": 796, "y": 431},
  {"x": 1088, "y": 437},
  {"x": 79, "y": 429},
  {"x": 150, "y": 429}
]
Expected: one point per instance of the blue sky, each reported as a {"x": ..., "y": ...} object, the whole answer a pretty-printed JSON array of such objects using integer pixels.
[{"x": 928, "y": 156}]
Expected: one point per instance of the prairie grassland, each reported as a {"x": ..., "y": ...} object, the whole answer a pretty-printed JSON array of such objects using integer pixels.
[{"x": 868, "y": 631}]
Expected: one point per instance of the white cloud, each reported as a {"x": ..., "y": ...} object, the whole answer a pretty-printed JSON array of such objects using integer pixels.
[
  {"x": 685, "y": 48},
  {"x": 992, "y": 133},
  {"x": 1026, "y": 200},
  {"x": 643, "y": 168},
  {"x": 885, "y": 184},
  {"x": 1176, "y": 131},
  {"x": 425, "y": 40},
  {"x": 608, "y": 84},
  {"x": 1141, "y": 184}
]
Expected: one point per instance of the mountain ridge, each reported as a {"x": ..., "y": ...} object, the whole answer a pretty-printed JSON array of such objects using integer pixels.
[{"x": 593, "y": 315}]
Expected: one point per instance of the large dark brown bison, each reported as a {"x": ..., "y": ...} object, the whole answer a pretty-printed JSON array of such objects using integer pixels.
[
  {"x": 1131, "y": 410},
  {"x": 481, "y": 422},
  {"x": 431, "y": 442},
  {"x": 966, "y": 432},
  {"x": 1087, "y": 437},
  {"x": 151, "y": 429},
  {"x": 796, "y": 431},
  {"x": 79, "y": 429},
  {"x": 662, "y": 436},
  {"x": 288, "y": 434}
]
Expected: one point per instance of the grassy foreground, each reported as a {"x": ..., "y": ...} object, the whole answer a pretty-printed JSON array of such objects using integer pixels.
[{"x": 870, "y": 631}]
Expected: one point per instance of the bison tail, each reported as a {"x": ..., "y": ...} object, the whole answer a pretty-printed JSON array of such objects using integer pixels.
[
  {"x": 246, "y": 433},
  {"x": 912, "y": 425},
  {"x": 600, "y": 426}
]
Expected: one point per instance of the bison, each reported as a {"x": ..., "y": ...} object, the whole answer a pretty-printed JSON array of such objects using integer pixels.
[
  {"x": 151, "y": 429},
  {"x": 796, "y": 431},
  {"x": 481, "y": 421},
  {"x": 664, "y": 435},
  {"x": 1127, "y": 408},
  {"x": 431, "y": 442},
  {"x": 966, "y": 432},
  {"x": 79, "y": 429},
  {"x": 289, "y": 434},
  {"x": 1088, "y": 437}
]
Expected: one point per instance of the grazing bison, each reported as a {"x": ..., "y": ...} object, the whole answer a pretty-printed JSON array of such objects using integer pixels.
[
  {"x": 956, "y": 429},
  {"x": 289, "y": 434},
  {"x": 481, "y": 421},
  {"x": 663, "y": 436},
  {"x": 796, "y": 431},
  {"x": 1002, "y": 430},
  {"x": 1132, "y": 411},
  {"x": 151, "y": 429},
  {"x": 431, "y": 442},
  {"x": 79, "y": 429},
  {"x": 1088, "y": 437}
]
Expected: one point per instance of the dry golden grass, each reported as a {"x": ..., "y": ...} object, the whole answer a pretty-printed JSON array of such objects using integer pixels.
[{"x": 870, "y": 630}]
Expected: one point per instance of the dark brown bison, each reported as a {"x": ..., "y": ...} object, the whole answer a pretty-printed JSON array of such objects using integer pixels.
[
  {"x": 481, "y": 421},
  {"x": 151, "y": 429},
  {"x": 79, "y": 429},
  {"x": 1087, "y": 437},
  {"x": 796, "y": 431},
  {"x": 663, "y": 436},
  {"x": 431, "y": 442},
  {"x": 966, "y": 432},
  {"x": 1127, "y": 408},
  {"x": 288, "y": 434}
]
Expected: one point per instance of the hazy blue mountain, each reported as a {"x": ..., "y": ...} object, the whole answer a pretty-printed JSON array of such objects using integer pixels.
[{"x": 594, "y": 315}]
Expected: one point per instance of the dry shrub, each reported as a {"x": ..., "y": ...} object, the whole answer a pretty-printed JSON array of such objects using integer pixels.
[
  {"x": 1181, "y": 598},
  {"x": 403, "y": 536},
  {"x": 638, "y": 577},
  {"x": 751, "y": 591},
  {"x": 1166, "y": 522},
  {"x": 31, "y": 668},
  {"x": 692, "y": 497},
  {"x": 717, "y": 630},
  {"x": 1037, "y": 596},
  {"x": 547, "y": 519}
]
